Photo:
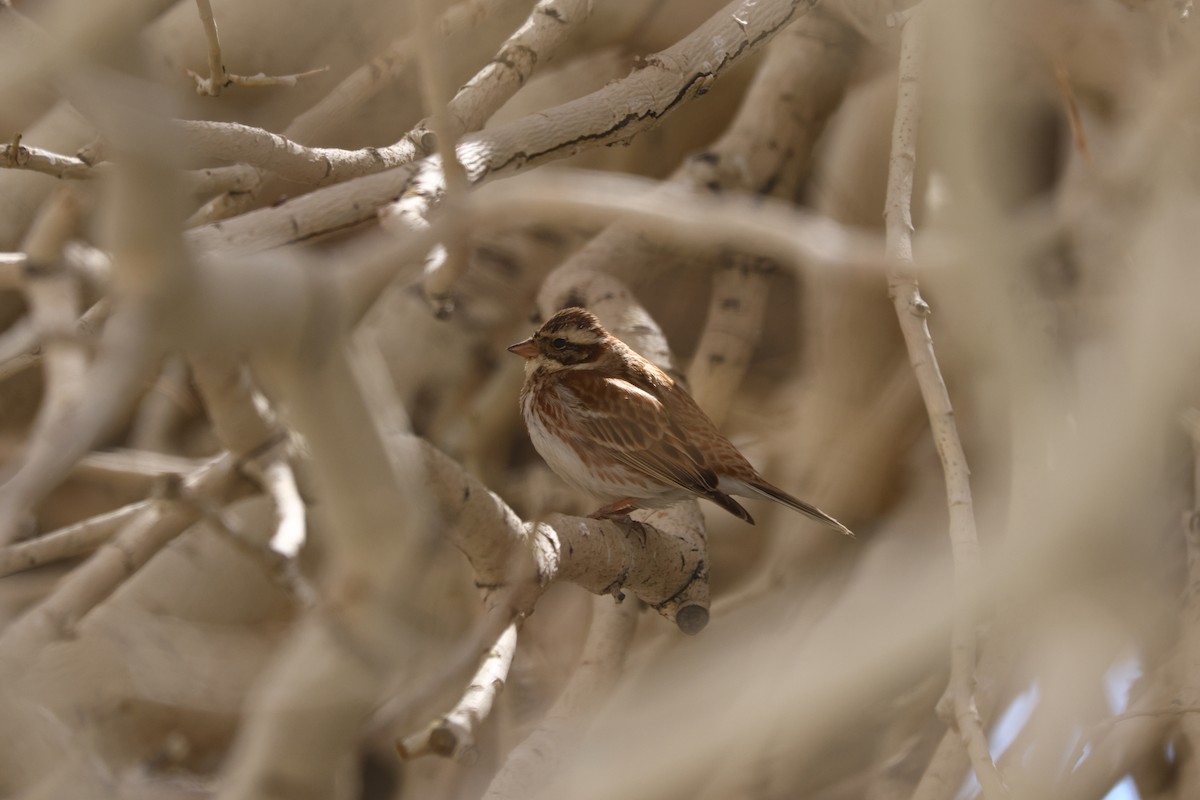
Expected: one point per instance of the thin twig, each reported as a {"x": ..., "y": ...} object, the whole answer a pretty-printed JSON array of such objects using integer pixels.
[
  {"x": 453, "y": 736},
  {"x": 15, "y": 155},
  {"x": 218, "y": 77},
  {"x": 913, "y": 312},
  {"x": 69, "y": 542},
  {"x": 257, "y": 80},
  {"x": 216, "y": 70}
]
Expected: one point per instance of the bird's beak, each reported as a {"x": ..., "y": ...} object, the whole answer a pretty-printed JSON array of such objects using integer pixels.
[{"x": 525, "y": 349}]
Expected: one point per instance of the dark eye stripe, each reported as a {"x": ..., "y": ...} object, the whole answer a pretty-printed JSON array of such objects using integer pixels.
[{"x": 570, "y": 352}]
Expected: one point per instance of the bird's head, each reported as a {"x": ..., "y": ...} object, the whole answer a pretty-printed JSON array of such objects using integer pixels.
[{"x": 571, "y": 339}]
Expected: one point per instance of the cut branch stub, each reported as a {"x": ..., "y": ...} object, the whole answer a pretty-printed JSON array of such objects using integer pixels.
[{"x": 667, "y": 571}]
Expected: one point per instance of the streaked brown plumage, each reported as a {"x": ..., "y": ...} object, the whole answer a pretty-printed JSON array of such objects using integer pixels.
[{"x": 611, "y": 423}]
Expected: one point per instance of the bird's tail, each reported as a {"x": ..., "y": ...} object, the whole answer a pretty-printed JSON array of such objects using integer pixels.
[{"x": 812, "y": 512}]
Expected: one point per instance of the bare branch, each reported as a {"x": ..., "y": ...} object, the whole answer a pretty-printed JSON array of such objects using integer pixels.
[
  {"x": 215, "y": 81},
  {"x": 154, "y": 525},
  {"x": 912, "y": 312},
  {"x": 538, "y": 39},
  {"x": 54, "y": 299},
  {"x": 344, "y": 99},
  {"x": 637, "y": 103},
  {"x": 669, "y": 78},
  {"x": 18, "y": 156},
  {"x": 218, "y": 77},
  {"x": 449, "y": 261},
  {"x": 453, "y": 735},
  {"x": 69, "y": 542},
  {"x": 599, "y": 668}
]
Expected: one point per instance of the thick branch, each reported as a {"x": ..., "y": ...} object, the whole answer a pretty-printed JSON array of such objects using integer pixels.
[
  {"x": 634, "y": 104},
  {"x": 614, "y": 113}
]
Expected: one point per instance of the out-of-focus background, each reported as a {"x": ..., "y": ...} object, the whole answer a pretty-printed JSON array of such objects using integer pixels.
[{"x": 160, "y": 637}]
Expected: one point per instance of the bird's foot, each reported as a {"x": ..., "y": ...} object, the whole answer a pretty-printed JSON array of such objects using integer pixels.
[{"x": 617, "y": 511}]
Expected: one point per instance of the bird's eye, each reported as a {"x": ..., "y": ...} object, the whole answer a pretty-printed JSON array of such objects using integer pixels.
[{"x": 559, "y": 343}]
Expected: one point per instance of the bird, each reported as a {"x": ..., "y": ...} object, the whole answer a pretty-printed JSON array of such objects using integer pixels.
[{"x": 611, "y": 423}]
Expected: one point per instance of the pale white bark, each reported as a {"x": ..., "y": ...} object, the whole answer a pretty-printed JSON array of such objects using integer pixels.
[
  {"x": 669, "y": 79},
  {"x": 219, "y": 77},
  {"x": 154, "y": 525},
  {"x": 162, "y": 408},
  {"x": 452, "y": 736},
  {"x": 299, "y": 302},
  {"x": 1188, "y": 696},
  {"x": 396, "y": 60},
  {"x": 912, "y": 312},
  {"x": 70, "y": 542},
  {"x": 543, "y": 33},
  {"x": 731, "y": 331},
  {"x": 18, "y": 156},
  {"x": 636, "y": 103},
  {"x": 600, "y": 667},
  {"x": 344, "y": 100},
  {"x": 53, "y": 294}
]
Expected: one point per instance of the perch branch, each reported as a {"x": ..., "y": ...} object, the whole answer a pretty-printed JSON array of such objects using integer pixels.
[
  {"x": 912, "y": 312},
  {"x": 666, "y": 571}
]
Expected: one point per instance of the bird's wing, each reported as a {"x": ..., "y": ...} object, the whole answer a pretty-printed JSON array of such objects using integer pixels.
[{"x": 634, "y": 427}]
